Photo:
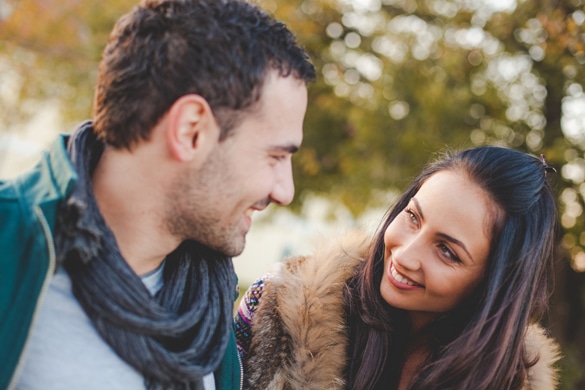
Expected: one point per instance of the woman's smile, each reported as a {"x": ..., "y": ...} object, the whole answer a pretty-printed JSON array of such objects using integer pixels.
[
  {"x": 436, "y": 249},
  {"x": 400, "y": 280}
]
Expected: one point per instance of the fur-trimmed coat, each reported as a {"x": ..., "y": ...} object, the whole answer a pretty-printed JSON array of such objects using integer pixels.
[{"x": 298, "y": 337}]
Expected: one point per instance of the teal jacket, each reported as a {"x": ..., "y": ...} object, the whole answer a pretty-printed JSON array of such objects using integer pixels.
[{"x": 28, "y": 209}]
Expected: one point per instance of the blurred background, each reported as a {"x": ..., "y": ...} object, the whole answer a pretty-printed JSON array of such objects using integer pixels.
[{"x": 398, "y": 82}]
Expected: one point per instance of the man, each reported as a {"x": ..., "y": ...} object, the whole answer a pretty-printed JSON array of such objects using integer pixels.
[{"x": 115, "y": 271}]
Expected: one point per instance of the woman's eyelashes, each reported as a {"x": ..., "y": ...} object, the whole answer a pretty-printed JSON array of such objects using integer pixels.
[
  {"x": 448, "y": 253},
  {"x": 411, "y": 216},
  {"x": 445, "y": 251}
]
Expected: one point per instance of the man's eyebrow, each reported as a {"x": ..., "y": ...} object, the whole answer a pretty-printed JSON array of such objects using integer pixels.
[
  {"x": 443, "y": 235},
  {"x": 285, "y": 148}
]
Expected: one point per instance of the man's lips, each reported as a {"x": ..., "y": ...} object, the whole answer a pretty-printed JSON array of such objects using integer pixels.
[
  {"x": 248, "y": 217},
  {"x": 261, "y": 204},
  {"x": 258, "y": 206}
]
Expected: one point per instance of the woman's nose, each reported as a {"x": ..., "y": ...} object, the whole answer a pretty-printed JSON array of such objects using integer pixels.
[{"x": 408, "y": 254}]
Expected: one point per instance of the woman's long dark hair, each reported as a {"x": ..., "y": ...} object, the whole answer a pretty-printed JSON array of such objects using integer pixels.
[{"x": 480, "y": 344}]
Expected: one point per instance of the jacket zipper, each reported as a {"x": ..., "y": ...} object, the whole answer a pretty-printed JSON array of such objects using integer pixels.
[
  {"x": 50, "y": 271},
  {"x": 241, "y": 372}
]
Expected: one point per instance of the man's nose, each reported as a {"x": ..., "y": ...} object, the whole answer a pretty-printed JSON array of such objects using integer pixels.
[{"x": 283, "y": 191}]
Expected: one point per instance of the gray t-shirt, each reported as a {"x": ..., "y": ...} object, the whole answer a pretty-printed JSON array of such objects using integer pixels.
[{"x": 65, "y": 351}]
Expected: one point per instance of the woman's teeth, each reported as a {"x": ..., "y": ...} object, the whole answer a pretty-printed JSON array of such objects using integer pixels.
[{"x": 400, "y": 278}]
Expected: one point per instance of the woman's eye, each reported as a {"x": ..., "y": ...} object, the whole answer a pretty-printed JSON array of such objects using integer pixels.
[
  {"x": 411, "y": 216},
  {"x": 448, "y": 253}
]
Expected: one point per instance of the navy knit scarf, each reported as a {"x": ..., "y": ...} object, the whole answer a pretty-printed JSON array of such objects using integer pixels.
[{"x": 174, "y": 338}]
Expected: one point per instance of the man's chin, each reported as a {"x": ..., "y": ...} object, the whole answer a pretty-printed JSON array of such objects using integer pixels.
[
  {"x": 231, "y": 249},
  {"x": 238, "y": 251}
]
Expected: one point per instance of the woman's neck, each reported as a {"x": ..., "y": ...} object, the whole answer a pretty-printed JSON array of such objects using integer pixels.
[
  {"x": 420, "y": 320},
  {"x": 416, "y": 354}
]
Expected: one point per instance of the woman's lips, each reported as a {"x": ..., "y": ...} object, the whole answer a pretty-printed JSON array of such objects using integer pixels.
[{"x": 400, "y": 280}]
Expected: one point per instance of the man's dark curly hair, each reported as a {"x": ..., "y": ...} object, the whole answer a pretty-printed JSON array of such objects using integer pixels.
[{"x": 221, "y": 50}]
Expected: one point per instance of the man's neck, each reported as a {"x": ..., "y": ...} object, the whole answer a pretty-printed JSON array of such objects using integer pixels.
[{"x": 129, "y": 199}]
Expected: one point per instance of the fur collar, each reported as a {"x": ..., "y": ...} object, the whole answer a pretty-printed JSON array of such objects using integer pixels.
[
  {"x": 300, "y": 335},
  {"x": 543, "y": 375}
]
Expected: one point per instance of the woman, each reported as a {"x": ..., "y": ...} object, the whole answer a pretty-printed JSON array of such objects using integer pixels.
[{"x": 447, "y": 296}]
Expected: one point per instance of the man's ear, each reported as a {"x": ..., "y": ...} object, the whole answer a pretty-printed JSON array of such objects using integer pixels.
[{"x": 192, "y": 130}]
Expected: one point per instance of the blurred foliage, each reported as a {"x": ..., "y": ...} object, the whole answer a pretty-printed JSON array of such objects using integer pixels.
[{"x": 399, "y": 80}]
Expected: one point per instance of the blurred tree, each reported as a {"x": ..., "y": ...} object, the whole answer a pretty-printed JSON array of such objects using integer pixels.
[
  {"x": 399, "y": 80},
  {"x": 422, "y": 76},
  {"x": 49, "y": 50},
  {"x": 551, "y": 35}
]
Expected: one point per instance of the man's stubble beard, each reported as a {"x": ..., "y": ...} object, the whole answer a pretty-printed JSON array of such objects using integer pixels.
[{"x": 191, "y": 213}]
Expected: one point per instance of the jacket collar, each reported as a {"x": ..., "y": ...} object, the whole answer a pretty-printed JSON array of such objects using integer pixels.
[
  {"x": 51, "y": 180},
  {"x": 60, "y": 167}
]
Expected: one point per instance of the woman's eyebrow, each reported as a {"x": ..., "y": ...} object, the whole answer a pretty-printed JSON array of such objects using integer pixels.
[{"x": 443, "y": 235}]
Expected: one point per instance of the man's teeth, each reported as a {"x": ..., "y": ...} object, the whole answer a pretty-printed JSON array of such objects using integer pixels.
[{"x": 401, "y": 278}]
